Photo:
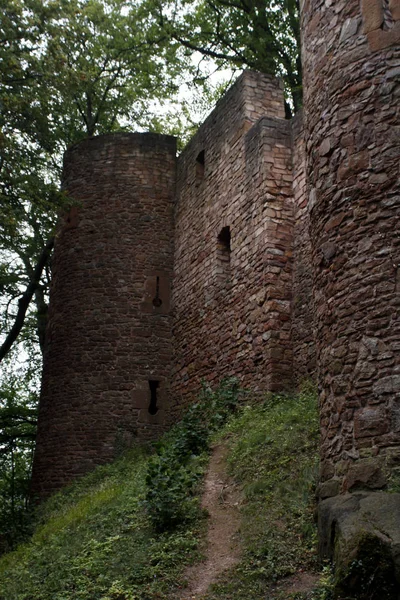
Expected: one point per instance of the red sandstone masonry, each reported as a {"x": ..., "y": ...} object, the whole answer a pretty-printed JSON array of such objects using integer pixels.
[
  {"x": 352, "y": 109},
  {"x": 239, "y": 326},
  {"x": 303, "y": 335},
  {"x": 106, "y": 339},
  {"x": 110, "y": 325}
]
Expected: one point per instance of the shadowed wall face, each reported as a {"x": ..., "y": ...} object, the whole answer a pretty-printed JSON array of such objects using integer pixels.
[
  {"x": 233, "y": 244},
  {"x": 108, "y": 355},
  {"x": 352, "y": 91}
]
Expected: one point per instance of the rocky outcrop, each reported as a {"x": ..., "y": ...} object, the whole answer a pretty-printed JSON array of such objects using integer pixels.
[{"x": 360, "y": 533}]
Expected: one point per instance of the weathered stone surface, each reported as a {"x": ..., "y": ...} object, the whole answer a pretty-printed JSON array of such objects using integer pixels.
[
  {"x": 361, "y": 534},
  {"x": 394, "y": 6},
  {"x": 352, "y": 100},
  {"x": 349, "y": 29},
  {"x": 303, "y": 334},
  {"x": 234, "y": 319},
  {"x": 107, "y": 338},
  {"x": 364, "y": 474},
  {"x": 372, "y": 11},
  {"x": 329, "y": 488},
  {"x": 380, "y": 39}
]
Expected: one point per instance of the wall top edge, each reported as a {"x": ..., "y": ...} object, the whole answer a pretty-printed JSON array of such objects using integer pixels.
[
  {"x": 241, "y": 94},
  {"x": 145, "y": 140}
]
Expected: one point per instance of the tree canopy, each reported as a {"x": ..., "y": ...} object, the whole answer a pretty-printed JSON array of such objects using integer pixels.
[{"x": 260, "y": 34}]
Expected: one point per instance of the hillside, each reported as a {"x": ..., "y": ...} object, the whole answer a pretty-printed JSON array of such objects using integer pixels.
[{"x": 129, "y": 530}]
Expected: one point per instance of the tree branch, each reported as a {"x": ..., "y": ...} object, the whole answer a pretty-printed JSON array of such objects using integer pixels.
[{"x": 25, "y": 300}]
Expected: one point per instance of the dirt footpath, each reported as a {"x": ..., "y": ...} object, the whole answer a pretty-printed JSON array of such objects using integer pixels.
[{"x": 221, "y": 499}]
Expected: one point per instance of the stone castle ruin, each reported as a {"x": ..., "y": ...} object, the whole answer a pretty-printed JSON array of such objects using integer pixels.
[{"x": 268, "y": 250}]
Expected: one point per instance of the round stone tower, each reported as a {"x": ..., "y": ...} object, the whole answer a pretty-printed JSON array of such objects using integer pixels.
[
  {"x": 351, "y": 59},
  {"x": 108, "y": 347}
]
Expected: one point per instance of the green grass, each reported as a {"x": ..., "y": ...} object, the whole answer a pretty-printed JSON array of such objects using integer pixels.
[
  {"x": 111, "y": 536},
  {"x": 97, "y": 543},
  {"x": 273, "y": 450}
]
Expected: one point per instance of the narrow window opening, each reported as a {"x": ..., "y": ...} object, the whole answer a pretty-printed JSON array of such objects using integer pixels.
[
  {"x": 200, "y": 165},
  {"x": 71, "y": 218},
  {"x": 224, "y": 255},
  {"x": 388, "y": 21},
  {"x": 153, "y": 385},
  {"x": 157, "y": 300},
  {"x": 333, "y": 534}
]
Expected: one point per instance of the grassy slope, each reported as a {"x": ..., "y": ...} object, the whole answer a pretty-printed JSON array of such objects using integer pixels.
[
  {"x": 96, "y": 541},
  {"x": 273, "y": 455}
]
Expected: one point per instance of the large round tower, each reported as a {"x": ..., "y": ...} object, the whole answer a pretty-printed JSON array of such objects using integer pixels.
[
  {"x": 108, "y": 349},
  {"x": 351, "y": 58}
]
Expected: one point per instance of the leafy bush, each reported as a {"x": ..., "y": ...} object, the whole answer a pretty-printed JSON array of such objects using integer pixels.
[
  {"x": 170, "y": 486},
  {"x": 175, "y": 471}
]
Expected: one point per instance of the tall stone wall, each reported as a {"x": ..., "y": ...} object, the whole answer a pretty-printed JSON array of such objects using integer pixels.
[
  {"x": 351, "y": 59},
  {"x": 233, "y": 244},
  {"x": 109, "y": 351},
  {"x": 303, "y": 335},
  {"x": 162, "y": 280}
]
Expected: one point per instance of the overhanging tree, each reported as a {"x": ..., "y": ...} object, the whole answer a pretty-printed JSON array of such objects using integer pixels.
[
  {"x": 260, "y": 34},
  {"x": 70, "y": 70}
]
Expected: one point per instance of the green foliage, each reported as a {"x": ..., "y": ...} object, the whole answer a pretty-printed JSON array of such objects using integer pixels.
[
  {"x": 325, "y": 587},
  {"x": 100, "y": 539},
  {"x": 170, "y": 496},
  {"x": 175, "y": 471},
  {"x": 394, "y": 480},
  {"x": 95, "y": 541},
  {"x": 17, "y": 437},
  {"x": 273, "y": 455},
  {"x": 262, "y": 34}
]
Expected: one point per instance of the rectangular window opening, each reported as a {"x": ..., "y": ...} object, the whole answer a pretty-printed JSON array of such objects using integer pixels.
[
  {"x": 153, "y": 385},
  {"x": 224, "y": 256},
  {"x": 200, "y": 165}
]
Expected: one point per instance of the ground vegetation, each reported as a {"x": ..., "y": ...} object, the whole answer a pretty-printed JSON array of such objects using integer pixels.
[{"x": 113, "y": 535}]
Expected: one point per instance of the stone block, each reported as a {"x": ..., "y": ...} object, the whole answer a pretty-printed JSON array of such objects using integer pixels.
[
  {"x": 372, "y": 14},
  {"x": 370, "y": 421},
  {"x": 394, "y": 6},
  {"x": 380, "y": 39},
  {"x": 360, "y": 533},
  {"x": 366, "y": 473},
  {"x": 387, "y": 385},
  {"x": 328, "y": 489}
]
